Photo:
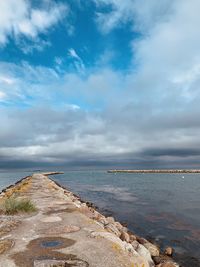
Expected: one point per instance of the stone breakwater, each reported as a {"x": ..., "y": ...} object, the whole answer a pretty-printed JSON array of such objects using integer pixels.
[
  {"x": 153, "y": 171},
  {"x": 66, "y": 231}
]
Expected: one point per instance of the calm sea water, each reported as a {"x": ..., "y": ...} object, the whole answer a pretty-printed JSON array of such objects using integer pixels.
[{"x": 164, "y": 208}]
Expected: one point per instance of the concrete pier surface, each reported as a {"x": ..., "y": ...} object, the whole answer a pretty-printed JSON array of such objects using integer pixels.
[{"x": 64, "y": 231}]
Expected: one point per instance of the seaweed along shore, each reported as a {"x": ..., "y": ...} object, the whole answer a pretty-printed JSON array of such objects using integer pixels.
[{"x": 43, "y": 225}]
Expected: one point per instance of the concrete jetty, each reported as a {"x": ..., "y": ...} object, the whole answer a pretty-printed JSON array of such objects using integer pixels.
[{"x": 64, "y": 231}]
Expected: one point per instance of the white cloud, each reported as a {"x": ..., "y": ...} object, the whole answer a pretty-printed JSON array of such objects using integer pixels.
[
  {"x": 149, "y": 114},
  {"x": 6, "y": 80},
  {"x": 78, "y": 62},
  {"x": 142, "y": 14},
  {"x": 167, "y": 53},
  {"x": 169, "y": 57},
  {"x": 58, "y": 60},
  {"x": 121, "y": 11},
  {"x": 125, "y": 125},
  {"x": 20, "y": 18},
  {"x": 2, "y": 96},
  {"x": 73, "y": 54},
  {"x": 30, "y": 47},
  {"x": 72, "y": 107}
]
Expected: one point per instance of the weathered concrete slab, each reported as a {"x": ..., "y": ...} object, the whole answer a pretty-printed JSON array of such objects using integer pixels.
[{"x": 63, "y": 232}]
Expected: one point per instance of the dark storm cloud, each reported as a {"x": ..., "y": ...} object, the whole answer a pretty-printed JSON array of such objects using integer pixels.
[
  {"x": 72, "y": 137},
  {"x": 173, "y": 152}
]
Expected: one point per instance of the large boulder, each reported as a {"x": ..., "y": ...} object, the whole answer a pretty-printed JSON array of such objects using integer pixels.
[
  {"x": 110, "y": 219},
  {"x": 132, "y": 237},
  {"x": 153, "y": 249},
  {"x": 142, "y": 251},
  {"x": 119, "y": 226},
  {"x": 125, "y": 237},
  {"x": 169, "y": 251}
]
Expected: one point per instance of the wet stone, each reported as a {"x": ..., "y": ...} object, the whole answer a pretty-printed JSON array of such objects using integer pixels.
[
  {"x": 157, "y": 259},
  {"x": 169, "y": 251}
]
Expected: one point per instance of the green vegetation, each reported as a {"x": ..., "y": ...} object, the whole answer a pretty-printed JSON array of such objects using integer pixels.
[{"x": 13, "y": 205}]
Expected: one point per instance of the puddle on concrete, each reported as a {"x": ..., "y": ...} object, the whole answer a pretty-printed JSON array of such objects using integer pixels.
[
  {"x": 41, "y": 252},
  {"x": 51, "y": 244}
]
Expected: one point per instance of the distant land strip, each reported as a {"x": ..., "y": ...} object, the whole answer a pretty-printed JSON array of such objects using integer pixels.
[{"x": 154, "y": 171}]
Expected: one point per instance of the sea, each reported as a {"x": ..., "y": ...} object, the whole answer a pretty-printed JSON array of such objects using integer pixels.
[{"x": 163, "y": 208}]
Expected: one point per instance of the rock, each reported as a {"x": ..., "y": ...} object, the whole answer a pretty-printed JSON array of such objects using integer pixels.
[
  {"x": 112, "y": 228},
  {"x": 169, "y": 251},
  {"x": 141, "y": 240},
  {"x": 94, "y": 215},
  {"x": 157, "y": 259},
  {"x": 168, "y": 264},
  {"x": 162, "y": 258},
  {"x": 110, "y": 219},
  {"x": 91, "y": 205},
  {"x": 84, "y": 205},
  {"x": 135, "y": 244},
  {"x": 132, "y": 237},
  {"x": 103, "y": 221},
  {"x": 125, "y": 237},
  {"x": 124, "y": 229},
  {"x": 119, "y": 226},
  {"x": 142, "y": 251},
  {"x": 77, "y": 203},
  {"x": 129, "y": 248},
  {"x": 153, "y": 249}
]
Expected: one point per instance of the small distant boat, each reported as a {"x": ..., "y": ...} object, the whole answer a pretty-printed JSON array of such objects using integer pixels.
[{"x": 183, "y": 177}]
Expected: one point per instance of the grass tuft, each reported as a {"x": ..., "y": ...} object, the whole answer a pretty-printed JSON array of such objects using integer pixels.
[{"x": 13, "y": 205}]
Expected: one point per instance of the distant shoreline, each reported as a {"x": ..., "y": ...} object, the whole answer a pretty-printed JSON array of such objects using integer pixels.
[{"x": 153, "y": 171}]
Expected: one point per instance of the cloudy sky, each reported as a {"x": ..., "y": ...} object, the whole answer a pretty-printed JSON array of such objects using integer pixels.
[{"x": 110, "y": 83}]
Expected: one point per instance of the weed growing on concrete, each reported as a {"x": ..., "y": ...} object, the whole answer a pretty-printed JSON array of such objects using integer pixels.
[{"x": 13, "y": 205}]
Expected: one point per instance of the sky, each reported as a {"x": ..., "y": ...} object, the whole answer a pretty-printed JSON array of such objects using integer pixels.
[{"x": 100, "y": 83}]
